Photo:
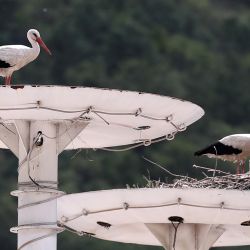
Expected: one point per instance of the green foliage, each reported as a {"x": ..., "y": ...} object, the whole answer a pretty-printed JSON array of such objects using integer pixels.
[{"x": 194, "y": 49}]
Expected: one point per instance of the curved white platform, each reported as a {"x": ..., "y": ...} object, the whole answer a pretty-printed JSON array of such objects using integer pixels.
[
  {"x": 141, "y": 215},
  {"x": 111, "y": 117},
  {"x": 38, "y": 122}
]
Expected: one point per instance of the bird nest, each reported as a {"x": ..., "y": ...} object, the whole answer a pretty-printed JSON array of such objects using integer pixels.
[
  {"x": 218, "y": 180},
  {"x": 240, "y": 182}
]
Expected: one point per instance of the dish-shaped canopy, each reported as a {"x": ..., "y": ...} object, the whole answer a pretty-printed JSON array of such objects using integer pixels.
[
  {"x": 126, "y": 215},
  {"x": 112, "y": 117}
]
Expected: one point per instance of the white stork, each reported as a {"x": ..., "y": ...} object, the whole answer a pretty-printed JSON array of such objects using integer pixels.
[
  {"x": 235, "y": 148},
  {"x": 14, "y": 57}
]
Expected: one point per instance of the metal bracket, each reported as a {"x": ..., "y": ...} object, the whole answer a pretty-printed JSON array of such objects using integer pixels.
[
  {"x": 9, "y": 137},
  {"x": 67, "y": 132}
]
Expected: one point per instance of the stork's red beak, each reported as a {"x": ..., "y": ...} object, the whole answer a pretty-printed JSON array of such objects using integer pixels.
[{"x": 42, "y": 44}]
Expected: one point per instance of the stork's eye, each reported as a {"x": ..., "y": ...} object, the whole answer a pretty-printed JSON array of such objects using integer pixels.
[{"x": 35, "y": 35}]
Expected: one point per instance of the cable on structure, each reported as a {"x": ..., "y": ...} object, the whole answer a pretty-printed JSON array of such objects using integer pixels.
[
  {"x": 79, "y": 233},
  {"x": 91, "y": 109},
  {"x": 175, "y": 221},
  {"x": 85, "y": 212},
  {"x": 1, "y": 123},
  {"x": 37, "y": 239},
  {"x": 148, "y": 142},
  {"x": 58, "y": 195},
  {"x": 28, "y": 162}
]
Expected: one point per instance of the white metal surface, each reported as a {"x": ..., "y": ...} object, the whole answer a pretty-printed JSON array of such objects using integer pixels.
[
  {"x": 112, "y": 120},
  {"x": 37, "y": 218},
  {"x": 37, "y": 178},
  {"x": 71, "y": 118},
  {"x": 130, "y": 211},
  {"x": 188, "y": 236}
]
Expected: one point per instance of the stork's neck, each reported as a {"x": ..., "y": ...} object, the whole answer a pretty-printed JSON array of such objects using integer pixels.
[{"x": 35, "y": 46}]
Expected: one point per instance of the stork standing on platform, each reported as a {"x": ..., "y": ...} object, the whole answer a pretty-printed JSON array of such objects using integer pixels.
[
  {"x": 235, "y": 148},
  {"x": 14, "y": 57}
]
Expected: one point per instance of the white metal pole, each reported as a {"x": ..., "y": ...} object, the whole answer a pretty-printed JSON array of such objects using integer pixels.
[{"x": 37, "y": 180}]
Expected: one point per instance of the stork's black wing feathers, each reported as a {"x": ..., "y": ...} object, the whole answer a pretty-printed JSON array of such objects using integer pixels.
[
  {"x": 218, "y": 148},
  {"x": 4, "y": 64}
]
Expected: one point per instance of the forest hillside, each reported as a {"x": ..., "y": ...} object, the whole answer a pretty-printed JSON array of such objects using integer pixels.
[{"x": 197, "y": 50}]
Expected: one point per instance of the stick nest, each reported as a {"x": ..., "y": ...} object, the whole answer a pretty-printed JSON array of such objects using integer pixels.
[
  {"x": 239, "y": 182},
  {"x": 218, "y": 180}
]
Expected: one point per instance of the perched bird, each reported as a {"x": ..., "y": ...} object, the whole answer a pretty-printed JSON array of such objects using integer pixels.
[
  {"x": 235, "y": 148},
  {"x": 14, "y": 57}
]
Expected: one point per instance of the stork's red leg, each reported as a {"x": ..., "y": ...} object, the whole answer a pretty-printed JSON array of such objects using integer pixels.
[
  {"x": 243, "y": 167},
  {"x": 238, "y": 169},
  {"x": 8, "y": 80}
]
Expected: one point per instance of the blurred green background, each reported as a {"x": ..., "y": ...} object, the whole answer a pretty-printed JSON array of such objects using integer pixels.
[{"x": 197, "y": 50}]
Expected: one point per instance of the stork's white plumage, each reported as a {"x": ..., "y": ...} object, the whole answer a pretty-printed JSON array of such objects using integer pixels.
[
  {"x": 14, "y": 57},
  {"x": 235, "y": 148}
]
